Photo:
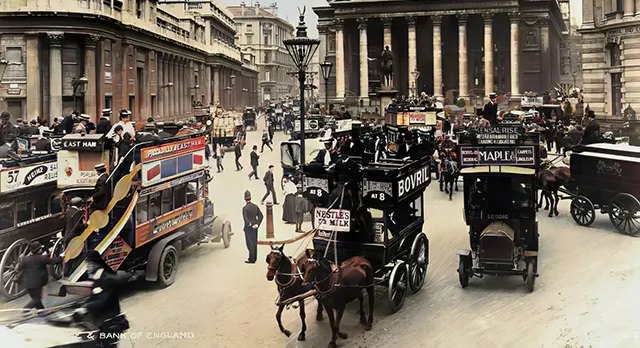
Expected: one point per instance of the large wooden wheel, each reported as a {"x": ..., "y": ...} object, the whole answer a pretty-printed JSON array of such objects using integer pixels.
[
  {"x": 624, "y": 213},
  {"x": 56, "y": 270},
  {"x": 419, "y": 262},
  {"x": 397, "y": 286},
  {"x": 9, "y": 285},
  {"x": 582, "y": 211}
]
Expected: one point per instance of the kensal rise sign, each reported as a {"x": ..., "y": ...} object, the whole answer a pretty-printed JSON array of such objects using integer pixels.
[{"x": 411, "y": 182}]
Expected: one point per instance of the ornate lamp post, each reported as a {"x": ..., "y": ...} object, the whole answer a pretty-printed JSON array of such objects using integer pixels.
[
  {"x": 301, "y": 49},
  {"x": 80, "y": 83},
  {"x": 325, "y": 68}
]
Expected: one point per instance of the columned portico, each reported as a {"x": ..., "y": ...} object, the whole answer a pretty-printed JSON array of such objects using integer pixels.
[
  {"x": 340, "y": 86},
  {"x": 437, "y": 56},
  {"x": 55, "y": 74}
]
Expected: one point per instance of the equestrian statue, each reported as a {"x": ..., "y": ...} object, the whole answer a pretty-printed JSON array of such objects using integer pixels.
[{"x": 386, "y": 66}]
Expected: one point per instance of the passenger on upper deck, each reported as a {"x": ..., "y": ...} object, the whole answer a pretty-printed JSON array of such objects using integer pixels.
[
  {"x": 104, "y": 125},
  {"x": 127, "y": 126},
  {"x": 6, "y": 127},
  {"x": 591, "y": 133},
  {"x": 326, "y": 156},
  {"x": 102, "y": 192}
]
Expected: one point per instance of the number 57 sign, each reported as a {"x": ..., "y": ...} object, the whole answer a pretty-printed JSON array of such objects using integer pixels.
[{"x": 332, "y": 219}]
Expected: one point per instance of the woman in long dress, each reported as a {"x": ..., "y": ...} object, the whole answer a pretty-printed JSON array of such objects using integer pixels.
[{"x": 289, "y": 206}]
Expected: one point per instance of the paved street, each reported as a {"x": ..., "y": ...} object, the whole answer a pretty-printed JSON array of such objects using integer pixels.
[{"x": 586, "y": 294}]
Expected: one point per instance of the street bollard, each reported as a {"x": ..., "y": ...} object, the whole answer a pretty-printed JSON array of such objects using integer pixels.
[{"x": 270, "y": 233}]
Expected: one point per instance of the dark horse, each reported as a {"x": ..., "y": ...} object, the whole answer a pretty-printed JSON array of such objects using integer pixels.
[
  {"x": 549, "y": 182},
  {"x": 289, "y": 282},
  {"x": 337, "y": 287},
  {"x": 449, "y": 173}
]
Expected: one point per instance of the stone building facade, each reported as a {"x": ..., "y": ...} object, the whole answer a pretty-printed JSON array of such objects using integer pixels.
[
  {"x": 469, "y": 48},
  {"x": 570, "y": 46},
  {"x": 611, "y": 55},
  {"x": 260, "y": 31},
  {"x": 153, "y": 58}
]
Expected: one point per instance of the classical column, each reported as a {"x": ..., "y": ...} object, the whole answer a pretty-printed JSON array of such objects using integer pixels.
[
  {"x": 413, "y": 57},
  {"x": 545, "y": 50},
  {"x": 637, "y": 7},
  {"x": 488, "y": 54},
  {"x": 364, "y": 59},
  {"x": 515, "y": 56},
  {"x": 216, "y": 85},
  {"x": 340, "y": 87},
  {"x": 166, "y": 75},
  {"x": 90, "y": 42},
  {"x": 55, "y": 74},
  {"x": 160, "y": 83},
  {"x": 587, "y": 13},
  {"x": 33, "y": 77},
  {"x": 629, "y": 8},
  {"x": 175, "y": 88},
  {"x": 386, "y": 22},
  {"x": 463, "y": 76},
  {"x": 437, "y": 56},
  {"x": 207, "y": 85}
]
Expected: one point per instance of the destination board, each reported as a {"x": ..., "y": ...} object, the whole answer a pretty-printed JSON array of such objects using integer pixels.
[
  {"x": 499, "y": 135},
  {"x": 376, "y": 190},
  {"x": 496, "y": 155}
]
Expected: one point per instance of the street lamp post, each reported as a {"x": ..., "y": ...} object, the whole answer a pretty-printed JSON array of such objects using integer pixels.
[
  {"x": 325, "y": 68},
  {"x": 82, "y": 84},
  {"x": 232, "y": 79},
  {"x": 301, "y": 49}
]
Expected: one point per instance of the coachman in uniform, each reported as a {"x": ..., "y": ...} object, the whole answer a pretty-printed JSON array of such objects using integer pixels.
[
  {"x": 102, "y": 193},
  {"x": 490, "y": 111}
]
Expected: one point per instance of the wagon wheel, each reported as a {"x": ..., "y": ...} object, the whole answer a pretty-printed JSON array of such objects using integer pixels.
[
  {"x": 9, "y": 285},
  {"x": 582, "y": 211},
  {"x": 463, "y": 271},
  {"x": 397, "y": 286},
  {"x": 57, "y": 268},
  {"x": 624, "y": 213},
  {"x": 531, "y": 274},
  {"x": 419, "y": 262}
]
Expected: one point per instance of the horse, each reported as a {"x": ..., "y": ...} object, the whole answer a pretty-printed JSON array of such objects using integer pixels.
[
  {"x": 549, "y": 181},
  {"x": 450, "y": 175},
  {"x": 290, "y": 284},
  {"x": 339, "y": 286}
]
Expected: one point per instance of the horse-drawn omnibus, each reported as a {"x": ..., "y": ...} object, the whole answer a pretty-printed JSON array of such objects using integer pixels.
[
  {"x": 30, "y": 210},
  {"x": 499, "y": 166},
  {"x": 158, "y": 208}
]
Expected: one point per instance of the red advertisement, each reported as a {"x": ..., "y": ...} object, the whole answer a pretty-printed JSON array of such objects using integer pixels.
[
  {"x": 172, "y": 149},
  {"x": 117, "y": 253}
]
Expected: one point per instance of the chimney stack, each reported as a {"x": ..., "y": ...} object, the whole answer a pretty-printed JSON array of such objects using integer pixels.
[{"x": 243, "y": 6}]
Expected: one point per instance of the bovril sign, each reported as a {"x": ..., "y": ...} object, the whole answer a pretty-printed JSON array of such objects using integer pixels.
[{"x": 413, "y": 181}]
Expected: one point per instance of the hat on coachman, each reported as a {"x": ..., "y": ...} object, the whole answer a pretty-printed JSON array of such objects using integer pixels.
[
  {"x": 492, "y": 95},
  {"x": 100, "y": 166},
  {"x": 106, "y": 113},
  {"x": 84, "y": 117},
  {"x": 247, "y": 195},
  {"x": 35, "y": 247}
]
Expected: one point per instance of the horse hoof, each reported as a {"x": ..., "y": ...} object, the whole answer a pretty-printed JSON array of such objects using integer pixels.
[
  {"x": 550, "y": 215},
  {"x": 343, "y": 335},
  {"x": 367, "y": 327},
  {"x": 287, "y": 333},
  {"x": 556, "y": 213},
  {"x": 301, "y": 337}
]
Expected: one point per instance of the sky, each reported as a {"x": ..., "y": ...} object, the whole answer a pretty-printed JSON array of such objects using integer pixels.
[{"x": 287, "y": 9}]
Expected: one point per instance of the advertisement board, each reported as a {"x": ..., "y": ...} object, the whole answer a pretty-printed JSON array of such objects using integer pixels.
[
  {"x": 497, "y": 155},
  {"x": 169, "y": 222},
  {"x": 332, "y": 219},
  {"x": 173, "y": 149},
  {"x": 16, "y": 178}
]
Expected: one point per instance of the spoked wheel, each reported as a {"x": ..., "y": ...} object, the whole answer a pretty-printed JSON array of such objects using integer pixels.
[
  {"x": 582, "y": 211},
  {"x": 531, "y": 274},
  {"x": 57, "y": 268},
  {"x": 624, "y": 213},
  {"x": 464, "y": 273},
  {"x": 226, "y": 233},
  {"x": 397, "y": 286},
  {"x": 9, "y": 285},
  {"x": 168, "y": 266},
  {"x": 419, "y": 262}
]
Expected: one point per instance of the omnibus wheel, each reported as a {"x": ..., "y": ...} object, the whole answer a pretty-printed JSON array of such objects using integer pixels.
[
  {"x": 419, "y": 263},
  {"x": 56, "y": 270},
  {"x": 168, "y": 266},
  {"x": 463, "y": 271},
  {"x": 624, "y": 213},
  {"x": 397, "y": 286},
  {"x": 531, "y": 274},
  {"x": 582, "y": 211},
  {"x": 226, "y": 233},
  {"x": 9, "y": 285}
]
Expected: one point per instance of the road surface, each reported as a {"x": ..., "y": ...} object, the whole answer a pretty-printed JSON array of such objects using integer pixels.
[{"x": 585, "y": 296}]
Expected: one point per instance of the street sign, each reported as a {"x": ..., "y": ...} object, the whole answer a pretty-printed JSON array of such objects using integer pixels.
[{"x": 499, "y": 155}]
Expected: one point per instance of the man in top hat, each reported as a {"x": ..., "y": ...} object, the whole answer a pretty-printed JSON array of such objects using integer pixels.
[
  {"x": 102, "y": 192},
  {"x": 44, "y": 143},
  {"x": 81, "y": 127},
  {"x": 252, "y": 219},
  {"x": 104, "y": 125},
  {"x": 103, "y": 305},
  {"x": 34, "y": 274},
  {"x": 591, "y": 133},
  {"x": 125, "y": 122},
  {"x": 490, "y": 111}
]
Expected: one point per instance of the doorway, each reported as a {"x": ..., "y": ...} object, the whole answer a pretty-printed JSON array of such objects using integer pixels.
[{"x": 616, "y": 94}]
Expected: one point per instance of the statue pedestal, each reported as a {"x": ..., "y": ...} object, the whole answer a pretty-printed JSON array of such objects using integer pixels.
[{"x": 386, "y": 94}]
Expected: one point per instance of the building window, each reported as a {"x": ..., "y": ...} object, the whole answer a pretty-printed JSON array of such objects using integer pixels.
[
  {"x": 14, "y": 54},
  {"x": 140, "y": 8},
  {"x": 331, "y": 42},
  {"x": 614, "y": 50},
  {"x": 107, "y": 101},
  {"x": 267, "y": 75},
  {"x": 619, "y": 6},
  {"x": 249, "y": 28},
  {"x": 267, "y": 57}
]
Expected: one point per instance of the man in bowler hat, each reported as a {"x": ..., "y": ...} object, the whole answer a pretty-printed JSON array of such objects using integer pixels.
[{"x": 252, "y": 219}]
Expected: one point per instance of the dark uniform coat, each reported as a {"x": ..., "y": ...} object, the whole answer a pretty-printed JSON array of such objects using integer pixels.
[
  {"x": 102, "y": 194},
  {"x": 591, "y": 133},
  {"x": 34, "y": 270},
  {"x": 490, "y": 112},
  {"x": 254, "y": 159},
  {"x": 103, "y": 304},
  {"x": 104, "y": 126}
]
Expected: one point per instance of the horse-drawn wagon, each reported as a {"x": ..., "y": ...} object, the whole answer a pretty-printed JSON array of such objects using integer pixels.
[
  {"x": 605, "y": 177},
  {"x": 499, "y": 166},
  {"x": 375, "y": 211},
  {"x": 30, "y": 210}
]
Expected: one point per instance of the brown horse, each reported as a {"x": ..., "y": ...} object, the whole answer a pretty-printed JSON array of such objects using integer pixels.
[
  {"x": 339, "y": 286},
  {"x": 289, "y": 281},
  {"x": 549, "y": 181}
]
